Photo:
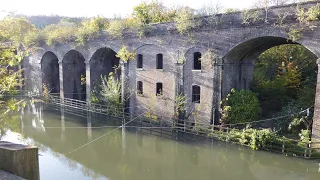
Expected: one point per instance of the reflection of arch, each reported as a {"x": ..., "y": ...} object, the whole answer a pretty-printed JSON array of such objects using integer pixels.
[
  {"x": 102, "y": 62},
  {"x": 74, "y": 73},
  {"x": 50, "y": 72}
]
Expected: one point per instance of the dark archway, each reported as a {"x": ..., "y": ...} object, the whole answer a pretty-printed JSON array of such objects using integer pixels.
[
  {"x": 239, "y": 61},
  {"x": 74, "y": 75},
  {"x": 50, "y": 72},
  {"x": 103, "y": 62}
]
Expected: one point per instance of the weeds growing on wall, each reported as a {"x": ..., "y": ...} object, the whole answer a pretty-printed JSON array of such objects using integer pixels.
[
  {"x": 184, "y": 20},
  {"x": 125, "y": 55},
  {"x": 306, "y": 19},
  {"x": 250, "y": 16}
]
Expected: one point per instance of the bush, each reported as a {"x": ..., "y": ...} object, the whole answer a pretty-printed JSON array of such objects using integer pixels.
[
  {"x": 89, "y": 30},
  {"x": 59, "y": 34},
  {"x": 250, "y": 16},
  {"x": 153, "y": 12},
  {"x": 240, "y": 107},
  {"x": 18, "y": 30},
  {"x": 115, "y": 28},
  {"x": 184, "y": 20}
]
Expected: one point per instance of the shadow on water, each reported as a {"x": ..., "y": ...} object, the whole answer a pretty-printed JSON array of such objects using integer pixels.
[{"x": 142, "y": 153}]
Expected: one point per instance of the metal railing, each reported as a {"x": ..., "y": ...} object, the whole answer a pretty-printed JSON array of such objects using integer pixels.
[
  {"x": 74, "y": 105},
  {"x": 170, "y": 128}
]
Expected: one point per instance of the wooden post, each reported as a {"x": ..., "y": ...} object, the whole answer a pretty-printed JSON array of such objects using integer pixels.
[{"x": 21, "y": 160}]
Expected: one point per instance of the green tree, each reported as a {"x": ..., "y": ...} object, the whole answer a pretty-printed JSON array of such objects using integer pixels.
[
  {"x": 111, "y": 90},
  {"x": 239, "y": 107},
  {"x": 18, "y": 31}
]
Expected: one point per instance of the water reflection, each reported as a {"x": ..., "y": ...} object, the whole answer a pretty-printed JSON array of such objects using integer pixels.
[{"x": 137, "y": 155}]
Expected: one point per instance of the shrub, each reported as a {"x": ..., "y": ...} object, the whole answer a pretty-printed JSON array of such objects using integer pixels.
[
  {"x": 240, "y": 107},
  {"x": 125, "y": 55},
  {"x": 18, "y": 30},
  {"x": 250, "y": 16},
  {"x": 184, "y": 20},
  {"x": 89, "y": 30},
  {"x": 59, "y": 34},
  {"x": 115, "y": 28}
]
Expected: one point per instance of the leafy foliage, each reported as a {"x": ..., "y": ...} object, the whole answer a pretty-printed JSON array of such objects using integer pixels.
[
  {"x": 239, "y": 107},
  {"x": 115, "y": 28},
  {"x": 18, "y": 30},
  {"x": 153, "y": 12},
  {"x": 59, "y": 33},
  {"x": 125, "y": 55},
  {"x": 89, "y": 30},
  {"x": 250, "y": 16},
  {"x": 110, "y": 90},
  {"x": 184, "y": 20}
]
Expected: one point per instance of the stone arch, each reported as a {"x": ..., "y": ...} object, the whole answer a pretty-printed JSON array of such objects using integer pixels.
[
  {"x": 238, "y": 65},
  {"x": 239, "y": 61},
  {"x": 102, "y": 62},
  {"x": 50, "y": 72},
  {"x": 74, "y": 74}
]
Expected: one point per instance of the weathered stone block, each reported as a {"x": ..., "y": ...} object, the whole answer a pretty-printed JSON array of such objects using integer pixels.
[{"x": 21, "y": 160}]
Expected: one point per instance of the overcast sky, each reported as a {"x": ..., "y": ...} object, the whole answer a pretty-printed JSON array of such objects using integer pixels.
[{"x": 106, "y": 8}]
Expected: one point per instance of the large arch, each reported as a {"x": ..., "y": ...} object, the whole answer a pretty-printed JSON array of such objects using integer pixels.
[
  {"x": 50, "y": 72},
  {"x": 74, "y": 74},
  {"x": 239, "y": 61},
  {"x": 102, "y": 62},
  {"x": 238, "y": 66}
]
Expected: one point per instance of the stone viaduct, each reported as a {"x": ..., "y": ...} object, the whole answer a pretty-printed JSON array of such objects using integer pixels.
[{"x": 167, "y": 63}]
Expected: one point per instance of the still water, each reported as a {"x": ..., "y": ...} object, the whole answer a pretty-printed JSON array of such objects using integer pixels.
[{"x": 130, "y": 154}]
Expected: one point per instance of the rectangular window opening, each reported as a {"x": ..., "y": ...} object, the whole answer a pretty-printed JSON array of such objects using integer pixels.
[
  {"x": 196, "y": 94},
  {"x": 159, "y": 61},
  {"x": 139, "y": 61},
  {"x": 197, "y": 61},
  {"x": 140, "y": 87},
  {"x": 159, "y": 90}
]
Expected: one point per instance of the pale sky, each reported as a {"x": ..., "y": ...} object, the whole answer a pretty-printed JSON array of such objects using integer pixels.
[{"x": 106, "y": 8}]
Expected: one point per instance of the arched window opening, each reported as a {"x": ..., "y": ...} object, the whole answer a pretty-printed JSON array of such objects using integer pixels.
[
  {"x": 159, "y": 61},
  {"x": 159, "y": 91},
  {"x": 197, "y": 61},
  {"x": 196, "y": 94},
  {"x": 139, "y": 87},
  {"x": 139, "y": 61}
]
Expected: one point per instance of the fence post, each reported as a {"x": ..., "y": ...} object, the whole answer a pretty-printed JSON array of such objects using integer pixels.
[{"x": 282, "y": 146}]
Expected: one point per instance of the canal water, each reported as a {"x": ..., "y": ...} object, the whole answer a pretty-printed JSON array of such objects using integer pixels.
[{"x": 73, "y": 147}]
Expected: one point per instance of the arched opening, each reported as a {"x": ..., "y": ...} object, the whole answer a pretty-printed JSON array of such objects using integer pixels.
[
  {"x": 103, "y": 62},
  {"x": 74, "y": 75},
  {"x": 50, "y": 72},
  {"x": 283, "y": 76}
]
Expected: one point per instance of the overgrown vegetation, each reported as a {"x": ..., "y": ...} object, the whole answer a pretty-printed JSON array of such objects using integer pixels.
[
  {"x": 285, "y": 80},
  {"x": 239, "y": 107},
  {"x": 250, "y": 16},
  {"x": 125, "y": 55},
  {"x": 184, "y": 20}
]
